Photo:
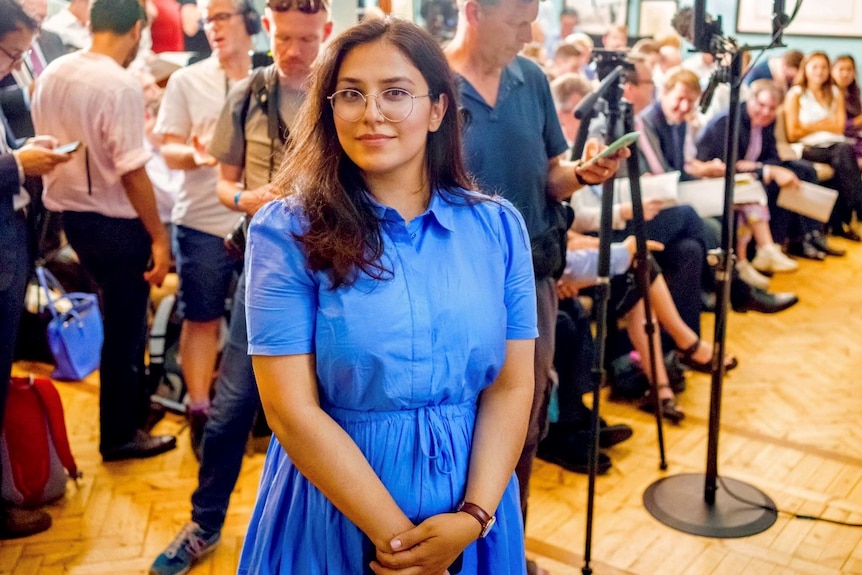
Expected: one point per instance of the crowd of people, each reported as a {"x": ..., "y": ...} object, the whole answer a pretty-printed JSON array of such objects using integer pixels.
[{"x": 406, "y": 378}]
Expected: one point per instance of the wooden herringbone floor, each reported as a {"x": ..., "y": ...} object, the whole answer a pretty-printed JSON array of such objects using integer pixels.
[{"x": 791, "y": 416}]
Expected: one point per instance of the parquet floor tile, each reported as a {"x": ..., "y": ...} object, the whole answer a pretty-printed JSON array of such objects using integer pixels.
[{"x": 790, "y": 426}]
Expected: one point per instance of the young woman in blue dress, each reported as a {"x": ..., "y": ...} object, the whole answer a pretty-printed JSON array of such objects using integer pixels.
[{"x": 391, "y": 317}]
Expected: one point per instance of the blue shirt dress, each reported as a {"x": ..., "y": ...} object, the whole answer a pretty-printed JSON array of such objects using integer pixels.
[{"x": 400, "y": 366}]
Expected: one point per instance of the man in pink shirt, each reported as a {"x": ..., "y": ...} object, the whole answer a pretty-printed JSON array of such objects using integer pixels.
[{"x": 109, "y": 211}]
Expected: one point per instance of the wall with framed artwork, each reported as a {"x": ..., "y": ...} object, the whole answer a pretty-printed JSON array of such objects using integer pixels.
[
  {"x": 654, "y": 17},
  {"x": 832, "y": 18}
]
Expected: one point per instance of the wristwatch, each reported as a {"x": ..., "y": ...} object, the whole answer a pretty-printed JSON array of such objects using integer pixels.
[{"x": 480, "y": 515}]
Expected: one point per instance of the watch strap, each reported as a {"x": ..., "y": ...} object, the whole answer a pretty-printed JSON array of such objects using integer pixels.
[{"x": 485, "y": 520}]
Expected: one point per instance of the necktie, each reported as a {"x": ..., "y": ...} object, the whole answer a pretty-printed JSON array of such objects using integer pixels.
[
  {"x": 655, "y": 165},
  {"x": 36, "y": 65},
  {"x": 755, "y": 144}
]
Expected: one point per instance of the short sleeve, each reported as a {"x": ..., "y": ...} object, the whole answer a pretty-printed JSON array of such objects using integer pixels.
[
  {"x": 281, "y": 293},
  {"x": 520, "y": 286},
  {"x": 124, "y": 133},
  {"x": 555, "y": 140},
  {"x": 228, "y": 143},
  {"x": 174, "y": 117}
]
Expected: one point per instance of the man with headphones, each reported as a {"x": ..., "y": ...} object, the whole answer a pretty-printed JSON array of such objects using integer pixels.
[
  {"x": 190, "y": 109},
  {"x": 249, "y": 143}
]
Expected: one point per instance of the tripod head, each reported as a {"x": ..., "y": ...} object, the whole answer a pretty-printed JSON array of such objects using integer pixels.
[{"x": 607, "y": 61}]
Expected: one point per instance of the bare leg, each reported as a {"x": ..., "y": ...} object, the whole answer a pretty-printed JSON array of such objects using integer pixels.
[
  {"x": 635, "y": 321},
  {"x": 670, "y": 320},
  {"x": 198, "y": 352},
  {"x": 762, "y": 234}
]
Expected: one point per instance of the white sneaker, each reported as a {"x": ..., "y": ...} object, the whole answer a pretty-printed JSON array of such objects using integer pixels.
[
  {"x": 751, "y": 276},
  {"x": 771, "y": 259}
]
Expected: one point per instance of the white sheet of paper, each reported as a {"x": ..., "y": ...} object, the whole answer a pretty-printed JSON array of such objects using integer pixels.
[
  {"x": 809, "y": 200},
  {"x": 706, "y": 196},
  {"x": 659, "y": 187}
]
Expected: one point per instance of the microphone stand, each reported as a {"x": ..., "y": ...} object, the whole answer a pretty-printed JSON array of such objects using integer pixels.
[
  {"x": 692, "y": 502},
  {"x": 608, "y": 99}
]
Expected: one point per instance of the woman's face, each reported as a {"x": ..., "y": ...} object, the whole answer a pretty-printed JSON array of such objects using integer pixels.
[
  {"x": 377, "y": 145},
  {"x": 817, "y": 71},
  {"x": 843, "y": 73}
]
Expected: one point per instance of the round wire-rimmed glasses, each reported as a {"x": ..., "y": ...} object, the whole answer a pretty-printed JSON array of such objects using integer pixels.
[{"x": 394, "y": 104}]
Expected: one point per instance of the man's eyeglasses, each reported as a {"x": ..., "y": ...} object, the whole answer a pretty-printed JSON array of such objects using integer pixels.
[
  {"x": 221, "y": 18},
  {"x": 305, "y": 6},
  {"x": 19, "y": 58},
  {"x": 394, "y": 104}
]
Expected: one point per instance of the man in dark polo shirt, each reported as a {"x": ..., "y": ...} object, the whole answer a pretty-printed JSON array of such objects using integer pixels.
[{"x": 514, "y": 146}]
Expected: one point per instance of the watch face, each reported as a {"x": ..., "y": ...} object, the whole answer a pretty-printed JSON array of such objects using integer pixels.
[{"x": 488, "y": 526}]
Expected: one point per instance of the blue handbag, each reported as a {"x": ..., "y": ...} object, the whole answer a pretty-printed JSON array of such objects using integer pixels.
[{"x": 75, "y": 334}]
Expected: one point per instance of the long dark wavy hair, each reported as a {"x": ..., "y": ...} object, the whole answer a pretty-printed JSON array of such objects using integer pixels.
[
  {"x": 343, "y": 235},
  {"x": 852, "y": 100}
]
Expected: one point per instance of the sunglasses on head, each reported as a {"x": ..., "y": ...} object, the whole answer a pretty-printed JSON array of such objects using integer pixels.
[{"x": 305, "y": 6}]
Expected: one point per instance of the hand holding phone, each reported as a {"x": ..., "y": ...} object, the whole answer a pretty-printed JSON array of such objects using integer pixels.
[
  {"x": 67, "y": 148},
  {"x": 622, "y": 142}
]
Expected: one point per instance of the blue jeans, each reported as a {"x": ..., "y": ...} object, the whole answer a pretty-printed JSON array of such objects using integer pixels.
[{"x": 231, "y": 418}]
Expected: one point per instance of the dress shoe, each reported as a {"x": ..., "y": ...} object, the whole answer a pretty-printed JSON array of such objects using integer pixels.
[
  {"x": 764, "y": 302},
  {"x": 142, "y": 446},
  {"x": 819, "y": 241},
  {"x": 610, "y": 435},
  {"x": 569, "y": 448},
  {"x": 574, "y": 462},
  {"x": 846, "y": 232},
  {"x": 16, "y": 522},
  {"x": 581, "y": 434},
  {"x": 806, "y": 249}
]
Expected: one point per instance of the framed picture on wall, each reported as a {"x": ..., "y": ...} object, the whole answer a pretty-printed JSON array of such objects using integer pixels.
[
  {"x": 596, "y": 16},
  {"x": 839, "y": 18},
  {"x": 655, "y": 16}
]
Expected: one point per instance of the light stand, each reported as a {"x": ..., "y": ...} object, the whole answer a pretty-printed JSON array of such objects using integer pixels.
[
  {"x": 692, "y": 502},
  {"x": 608, "y": 99}
]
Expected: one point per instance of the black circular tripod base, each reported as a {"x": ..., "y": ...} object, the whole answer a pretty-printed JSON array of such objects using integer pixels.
[{"x": 678, "y": 502}]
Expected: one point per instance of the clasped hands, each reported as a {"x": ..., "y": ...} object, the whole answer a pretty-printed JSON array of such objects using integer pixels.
[{"x": 428, "y": 548}]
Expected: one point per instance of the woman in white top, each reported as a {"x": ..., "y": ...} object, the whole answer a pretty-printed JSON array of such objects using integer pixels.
[{"x": 815, "y": 115}]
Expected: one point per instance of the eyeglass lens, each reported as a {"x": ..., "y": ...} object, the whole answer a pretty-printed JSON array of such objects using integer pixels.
[{"x": 394, "y": 104}]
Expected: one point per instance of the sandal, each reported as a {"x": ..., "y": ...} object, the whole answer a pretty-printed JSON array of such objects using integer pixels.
[
  {"x": 669, "y": 409},
  {"x": 687, "y": 359}
]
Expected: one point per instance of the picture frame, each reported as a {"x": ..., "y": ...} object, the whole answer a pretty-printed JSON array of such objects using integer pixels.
[
  {"x": 596, "y": 16},
  {"x": 830, "y": 18},
  {"x": 655, "y": 17}
]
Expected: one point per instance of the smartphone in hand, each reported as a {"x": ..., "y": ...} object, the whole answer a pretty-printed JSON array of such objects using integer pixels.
[
  {"x": 67, "y": 148},
  {"x": 622, "y": 142}
]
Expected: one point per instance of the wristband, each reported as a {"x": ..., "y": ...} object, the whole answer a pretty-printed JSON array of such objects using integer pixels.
[{"x": 236, "y": 197}]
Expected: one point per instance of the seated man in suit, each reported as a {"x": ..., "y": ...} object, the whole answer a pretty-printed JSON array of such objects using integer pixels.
[
  {"x": 667, "y": 143},
  {"x": 758, "y": 154}
]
